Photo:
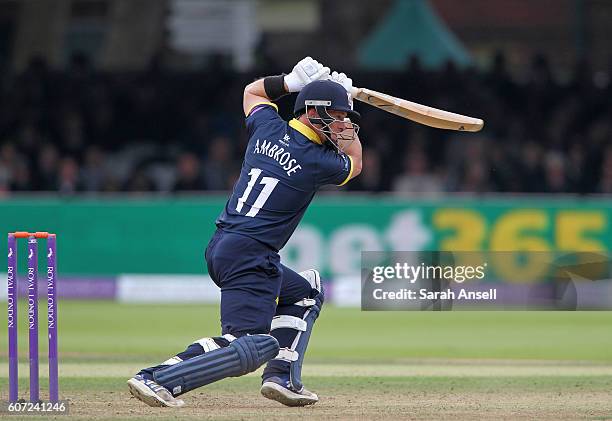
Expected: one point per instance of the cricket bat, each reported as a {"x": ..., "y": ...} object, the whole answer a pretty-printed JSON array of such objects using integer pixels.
[{"x": 422, "y": 114}]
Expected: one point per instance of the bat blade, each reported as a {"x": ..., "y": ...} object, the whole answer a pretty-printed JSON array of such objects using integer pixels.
[{"x": 419, "y": 113}]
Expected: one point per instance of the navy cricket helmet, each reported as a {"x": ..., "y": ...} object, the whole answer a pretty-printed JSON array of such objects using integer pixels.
[{"x": 327, "y": 93}]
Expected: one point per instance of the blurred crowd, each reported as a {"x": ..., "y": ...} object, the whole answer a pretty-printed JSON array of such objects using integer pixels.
[{"x": 82, "y": 130}]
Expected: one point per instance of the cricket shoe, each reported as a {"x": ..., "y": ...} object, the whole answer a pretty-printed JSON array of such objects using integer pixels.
[
  {"x": 279, "y": 389},
  {"x": 151, "y": 393}
]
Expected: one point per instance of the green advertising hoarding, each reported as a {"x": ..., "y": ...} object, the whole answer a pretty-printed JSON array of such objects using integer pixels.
[{"x": 168, "y": 235}]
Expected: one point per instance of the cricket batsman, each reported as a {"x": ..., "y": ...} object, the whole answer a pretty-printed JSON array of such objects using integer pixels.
[{"x": 268, "y": 310}]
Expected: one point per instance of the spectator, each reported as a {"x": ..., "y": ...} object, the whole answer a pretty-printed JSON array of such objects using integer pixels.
[
  {"x": 554, "y": 176},
  {"x": 530, "y": 171},
  {"x": 76, "y": 130},
  {"x": 140, "y": 181},
  {"x": 605, "y": 185},
  {"x": 48, "y": 165},
  {"x": 219, "y": 168},
  {"x": 94, "y": 173},
  {"x": 68, "y": 181},
  {"x": 9, "y": 157},
  {"x": 416, "y": 177},
  {"x": 189, "y": 177}
]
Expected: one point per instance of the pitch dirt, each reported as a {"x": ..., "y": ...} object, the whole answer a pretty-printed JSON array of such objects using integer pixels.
[
  {"x": 364, "y": 365},
  {"x": 455, "y": 405},
  {"x": 416, "y": 390}
]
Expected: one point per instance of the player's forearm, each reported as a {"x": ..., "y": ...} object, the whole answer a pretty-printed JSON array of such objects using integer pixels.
[
  {"x": 355, "y": 151},
  {"x": 258, "y": 89},
  {"x": 255, "y": 93}
]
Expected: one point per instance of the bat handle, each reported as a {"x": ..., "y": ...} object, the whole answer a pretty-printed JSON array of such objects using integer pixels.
[{"x": 355, "y": 91}]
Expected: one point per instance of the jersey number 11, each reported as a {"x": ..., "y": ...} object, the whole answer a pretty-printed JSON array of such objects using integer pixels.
[{"x": 269, "y": 184}]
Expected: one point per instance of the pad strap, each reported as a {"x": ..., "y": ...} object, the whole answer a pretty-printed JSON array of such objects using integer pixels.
[
  {"x": 313, "y": 277},
  {"x": 306, "y": 302},
  {"x": 288, "y": 322},
  {"x": 172, "y": 361},
  {"x": 208, "y": 344},
  {"x": 287, "y": 354}
]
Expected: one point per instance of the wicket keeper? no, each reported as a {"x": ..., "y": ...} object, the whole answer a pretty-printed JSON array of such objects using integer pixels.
[{"x": 268, "y": 310}]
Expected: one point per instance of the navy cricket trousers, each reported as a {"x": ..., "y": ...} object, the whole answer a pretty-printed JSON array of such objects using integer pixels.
[{"x": 252, "y": 282}]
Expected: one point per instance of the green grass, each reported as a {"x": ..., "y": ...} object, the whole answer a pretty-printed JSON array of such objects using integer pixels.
[
  {"x": 460, "y": 365},
  {"x": 251, "y": 383},
  {"x": 102, "y": 329}
]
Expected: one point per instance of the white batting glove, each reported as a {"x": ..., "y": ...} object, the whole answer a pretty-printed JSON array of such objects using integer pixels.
[
  {"x": 343, "y": 80},
  {"x": 307, "y": 70}
]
